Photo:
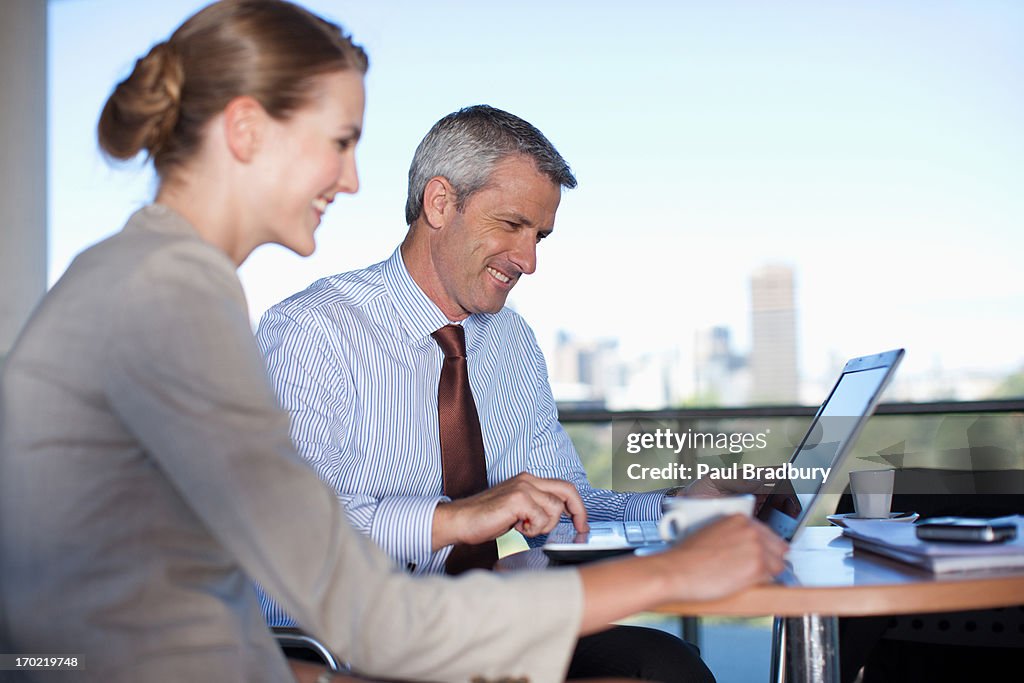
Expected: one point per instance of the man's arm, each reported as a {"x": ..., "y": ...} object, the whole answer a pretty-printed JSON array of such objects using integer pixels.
[{"x": 313, "y": 384}]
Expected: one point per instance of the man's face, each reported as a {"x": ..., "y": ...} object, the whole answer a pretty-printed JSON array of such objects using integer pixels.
[{"x": 483, "y": 250}]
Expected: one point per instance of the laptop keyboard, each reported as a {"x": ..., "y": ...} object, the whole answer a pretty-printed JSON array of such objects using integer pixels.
[
  {"x": 642, "y": 533},
  {"x": 636, "y": 533}
]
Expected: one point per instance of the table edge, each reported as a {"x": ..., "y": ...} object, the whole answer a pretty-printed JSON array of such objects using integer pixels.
[{"x": 857, "y": 601}]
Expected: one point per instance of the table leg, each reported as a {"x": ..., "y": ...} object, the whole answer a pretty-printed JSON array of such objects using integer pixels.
[
  {"x": 812, "y": 649},
  {"x": 690, "y": 630},
  {"x": 778, "y": 655}
]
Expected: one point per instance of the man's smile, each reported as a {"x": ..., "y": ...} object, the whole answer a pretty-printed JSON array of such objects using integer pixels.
[{"x": 501, "y": 277}]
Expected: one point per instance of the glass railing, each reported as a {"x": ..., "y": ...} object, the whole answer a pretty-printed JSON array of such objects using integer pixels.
[{"x": 982, "y": 436}]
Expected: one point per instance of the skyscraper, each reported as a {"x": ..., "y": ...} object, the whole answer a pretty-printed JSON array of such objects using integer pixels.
[
  {"x": 775, "y": 378},
  {"x": 721, "y": 376}
]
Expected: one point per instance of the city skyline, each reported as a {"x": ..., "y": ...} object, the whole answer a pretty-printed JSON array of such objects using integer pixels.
[
  {"x": 875, "y": 149},
  {"x": 714, "y": 371},
  {"x": 683, "y": 377}
]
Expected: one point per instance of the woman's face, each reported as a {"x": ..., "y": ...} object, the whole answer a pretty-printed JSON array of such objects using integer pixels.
[{"x": 308, "y": 159}]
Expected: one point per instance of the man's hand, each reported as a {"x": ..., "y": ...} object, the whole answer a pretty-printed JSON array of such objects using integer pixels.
[
  {"x": 761, "y": 488},
  {"x": 715, "y": 488},
  {"x": 530, "y": 505},
  {"x": 785, "y": 497}
]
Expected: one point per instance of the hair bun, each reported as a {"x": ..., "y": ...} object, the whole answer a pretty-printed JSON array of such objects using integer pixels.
[
  {"x": 165, "y": 93},
  {"x": 143, "y": 109}
]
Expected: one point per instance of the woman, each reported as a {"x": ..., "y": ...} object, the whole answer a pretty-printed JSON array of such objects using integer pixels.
[{"x": 146, "y": 473}]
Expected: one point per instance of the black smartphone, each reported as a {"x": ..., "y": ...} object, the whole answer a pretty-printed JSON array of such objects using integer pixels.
[{"x": 965, "y": 530}]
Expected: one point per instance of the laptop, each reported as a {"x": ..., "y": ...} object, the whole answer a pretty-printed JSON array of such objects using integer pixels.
[{"x": 787, "y": 508}]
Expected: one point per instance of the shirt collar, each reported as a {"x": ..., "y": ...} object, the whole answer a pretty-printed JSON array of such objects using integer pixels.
[
  {"x": 418, "y": 315},
  {"x": 416, "y": 312}
]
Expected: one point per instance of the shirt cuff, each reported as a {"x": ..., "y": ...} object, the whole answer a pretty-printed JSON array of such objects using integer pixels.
[
  {"x": 642, "y": 506},
  {"x": 402, "y": 526}
]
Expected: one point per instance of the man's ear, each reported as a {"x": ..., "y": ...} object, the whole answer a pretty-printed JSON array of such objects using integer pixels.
[
  {"x": 244, "y": 123},
  {"x": 438, "y": 201}
]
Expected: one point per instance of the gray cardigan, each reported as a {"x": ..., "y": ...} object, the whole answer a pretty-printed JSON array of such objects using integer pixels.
[{"x": 147, "y": 477}]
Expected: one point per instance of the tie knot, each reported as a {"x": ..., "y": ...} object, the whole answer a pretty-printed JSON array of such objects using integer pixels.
[{"x": 452, "y": 340}]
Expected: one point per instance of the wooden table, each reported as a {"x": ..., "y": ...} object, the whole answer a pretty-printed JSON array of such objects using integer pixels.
[{"x": 824, "y": 580}]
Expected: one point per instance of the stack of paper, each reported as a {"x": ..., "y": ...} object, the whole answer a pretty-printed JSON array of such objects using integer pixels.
[{"x": 898, "y": 541}]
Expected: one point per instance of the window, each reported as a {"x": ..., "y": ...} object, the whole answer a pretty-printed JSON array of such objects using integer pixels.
[{"x": 763, "y": 188}]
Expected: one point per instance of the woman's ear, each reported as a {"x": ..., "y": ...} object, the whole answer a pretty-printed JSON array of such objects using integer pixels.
[{"x": 244, "y": 123}]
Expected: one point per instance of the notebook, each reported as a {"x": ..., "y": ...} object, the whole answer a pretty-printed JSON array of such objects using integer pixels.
[
  {"x": 899, "y": 542},
  {"x": 824, "y": 448}
]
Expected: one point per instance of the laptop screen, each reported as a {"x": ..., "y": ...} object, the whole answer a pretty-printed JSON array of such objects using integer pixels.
[{"x": 829, "y": 438}]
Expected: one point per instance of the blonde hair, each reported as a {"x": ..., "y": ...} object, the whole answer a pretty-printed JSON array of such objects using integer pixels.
[{"x": 269, "y": 50}]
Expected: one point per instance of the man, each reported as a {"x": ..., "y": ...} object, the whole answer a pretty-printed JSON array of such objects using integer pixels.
[{"x": 357, "y": 359}]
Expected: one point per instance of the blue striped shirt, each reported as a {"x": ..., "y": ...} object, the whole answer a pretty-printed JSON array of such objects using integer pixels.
[{"x": 353, "y": 362}]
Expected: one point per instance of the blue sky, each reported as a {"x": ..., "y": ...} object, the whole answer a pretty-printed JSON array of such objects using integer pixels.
[{"x": 876, "y": 146}]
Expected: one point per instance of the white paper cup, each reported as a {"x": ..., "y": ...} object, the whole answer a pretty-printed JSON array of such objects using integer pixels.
[
  {"x": 872, "y": 493},
  {"x": 682, "y": 516}
]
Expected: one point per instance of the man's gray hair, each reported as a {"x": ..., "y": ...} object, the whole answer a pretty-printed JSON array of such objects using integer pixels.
[{"x": 465, "y": 146}]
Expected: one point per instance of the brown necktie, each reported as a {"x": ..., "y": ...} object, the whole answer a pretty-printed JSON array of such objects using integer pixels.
[{"x": 463, "y": 468}]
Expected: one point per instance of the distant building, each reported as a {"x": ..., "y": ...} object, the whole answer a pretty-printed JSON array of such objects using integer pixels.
[
  {"x": 720, "y": 374},
  {"x": 584, "y": 371},
  {"x": 773, "y": 355},
  {"x": 594, "y": 373},
  {"x": 655, "y": 380}
]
